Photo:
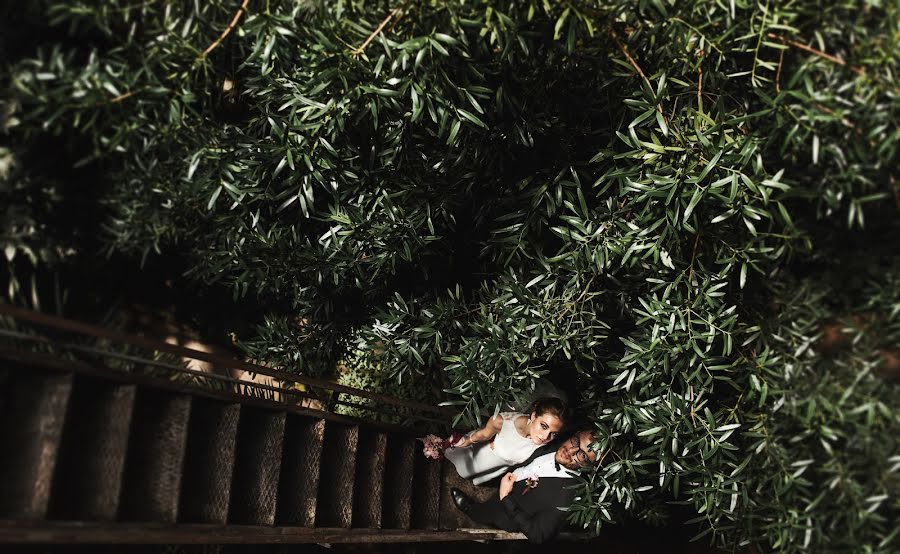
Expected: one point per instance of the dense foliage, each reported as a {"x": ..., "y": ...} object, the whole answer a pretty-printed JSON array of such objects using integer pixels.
[{"x": 691, "y": 207}]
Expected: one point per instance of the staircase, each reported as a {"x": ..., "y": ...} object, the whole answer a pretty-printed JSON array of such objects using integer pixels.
[{"x": 96, "y": 455}]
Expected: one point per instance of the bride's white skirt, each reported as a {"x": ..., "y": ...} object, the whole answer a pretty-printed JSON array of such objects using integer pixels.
[{"x": 477, "y": 462}]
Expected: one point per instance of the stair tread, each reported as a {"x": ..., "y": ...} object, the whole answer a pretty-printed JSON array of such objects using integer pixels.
[
  {"x": 88, "y": 478},
  {"x": 150, "y": 454},
  {"x": 300, "y": 471},
  {"x": 398, "y": 481},
  {"x": 153, "y": 468},
  {"x": 339, "y": 453},
  {"x": 257, "y": 467},
  {"x": 426, "y": 492},
  {"x": 368, "y": 492},
  {"x": 32, "y": 420},
  {"x": 209, "y": 462}
]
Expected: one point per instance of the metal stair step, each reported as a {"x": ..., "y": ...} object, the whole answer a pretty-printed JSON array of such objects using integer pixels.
[
  {"x": 209, "y": 462},
  {"x": 300, "y": 467},
  {"x": 88, "y": 479},
  {"x": 426, "y": 493},
  {"x": 153, "y": 468},
  {"x": 33, "y": 416},
  {"x": 368, "y": 490},
  {"x": 398, "y": 481},
  {"x": 335, "y": 498},
  {"x": 257, "y": 465}
]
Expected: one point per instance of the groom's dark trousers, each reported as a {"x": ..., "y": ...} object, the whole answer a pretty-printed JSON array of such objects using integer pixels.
[{"x": 534, "y": 511}]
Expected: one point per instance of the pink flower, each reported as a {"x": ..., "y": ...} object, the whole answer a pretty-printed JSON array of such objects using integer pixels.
[
  {"x": 530, "y": 483},
  {"x": 433, "y": 447}
]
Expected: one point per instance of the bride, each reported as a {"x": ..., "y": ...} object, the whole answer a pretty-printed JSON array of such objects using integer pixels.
[{"x": 507, "y": 439}]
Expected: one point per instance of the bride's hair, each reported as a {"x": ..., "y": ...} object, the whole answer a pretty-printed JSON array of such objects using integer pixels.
[{"x": 549, "y": 405}]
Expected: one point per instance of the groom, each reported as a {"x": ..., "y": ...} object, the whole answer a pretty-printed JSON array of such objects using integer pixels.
[{"x": 530, "y": 498}]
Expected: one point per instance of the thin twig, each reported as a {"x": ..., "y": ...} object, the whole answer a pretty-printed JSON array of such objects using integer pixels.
[
  {"x": 693, "y": 257},
  {"x": 696, "y": 30},
  {"x": 778, "y": 72},
  {"x": 624, "y": 48},
  {"x": 634, "y": 64},
  {"x": 844, "y": 121},
  {"x": 603, "y": 457},
  {"x": 394, "y": 13},
  {"x": 571, "y": 305},
  {"x": 700, "y": 82},
  {"x": 587, "y": 287},
  {"x": 830, "y": 57},
  {"x": 121, "y": 97},
  {"x": 694, "y": 421},
  {"x": 227, "y": 31},
  {"x": 759, "y": 41}
]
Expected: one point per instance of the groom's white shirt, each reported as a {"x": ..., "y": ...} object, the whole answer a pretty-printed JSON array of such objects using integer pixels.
[{"x": 542, "y": 466}]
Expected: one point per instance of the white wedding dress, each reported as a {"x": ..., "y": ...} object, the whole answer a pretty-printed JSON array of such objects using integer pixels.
[{"x": 484, "y": 461}]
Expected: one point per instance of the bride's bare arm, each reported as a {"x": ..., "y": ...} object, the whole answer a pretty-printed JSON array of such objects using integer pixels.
[{"x": 486, "y": 433}]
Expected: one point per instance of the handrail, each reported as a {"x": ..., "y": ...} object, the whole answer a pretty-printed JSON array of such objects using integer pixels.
[
  {"x": 63, "y": 324},
  {"x": 55, "y": 363},
  {"x": 210, "y": 376}
]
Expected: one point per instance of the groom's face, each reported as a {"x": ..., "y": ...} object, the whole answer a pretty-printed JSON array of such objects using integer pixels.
[{"x": 576, "y": 452}]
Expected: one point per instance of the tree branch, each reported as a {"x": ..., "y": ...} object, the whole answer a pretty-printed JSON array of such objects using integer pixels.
[
  {"x": 624, "y": 48},
  {"x": 778, "y": 72},
  {"x": 830, "y": 57},
  {"x": 227, "y": 31},
  {"x": 124, "y": 96},
  {"x": 631, "y": 60},
  {"x": 375, "y": 33},
  {"x": 700, "y": 82}
]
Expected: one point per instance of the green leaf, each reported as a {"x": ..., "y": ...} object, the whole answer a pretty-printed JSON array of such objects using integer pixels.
[
  {"x": 651, "y": 431},
  {"x": 695, "y": 199},
  {"x": 471, "y": 117},
  {"x": 454, "y": 131},
  {"x": 213, "y": 197}
]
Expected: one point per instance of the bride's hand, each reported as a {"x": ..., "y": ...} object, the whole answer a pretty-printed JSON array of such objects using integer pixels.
[{"x": 506, "y": 484}]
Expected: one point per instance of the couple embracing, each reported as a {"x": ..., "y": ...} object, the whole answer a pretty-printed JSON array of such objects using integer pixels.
[{"x": 535, "y": 467}]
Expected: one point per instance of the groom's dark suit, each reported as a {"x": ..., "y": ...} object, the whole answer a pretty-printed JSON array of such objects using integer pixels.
[{"x": 535, "y": 512}]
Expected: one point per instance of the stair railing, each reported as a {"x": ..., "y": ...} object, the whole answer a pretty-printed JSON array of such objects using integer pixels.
[{"x": 320, "y": 394}]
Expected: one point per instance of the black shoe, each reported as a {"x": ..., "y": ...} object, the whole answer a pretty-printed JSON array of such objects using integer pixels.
[{"x": 463, "y": 502}]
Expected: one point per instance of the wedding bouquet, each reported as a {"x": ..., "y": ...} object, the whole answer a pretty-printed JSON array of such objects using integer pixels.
[{"x": 434, "y": 446}]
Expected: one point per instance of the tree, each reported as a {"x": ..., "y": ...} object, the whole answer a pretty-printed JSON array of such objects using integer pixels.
[{"x": 673, "y": 201}]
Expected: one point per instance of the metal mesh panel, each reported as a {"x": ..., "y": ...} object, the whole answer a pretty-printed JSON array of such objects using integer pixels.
[
  {"x": 368, "y": 492},
  {"x": 398, "y": 479},
  {"x": 300, "y": 469},
  {"x": 31, "y": 423},
  {"x": 209, "y": 462},
  {"x": 426, "y": 493},
  {"x": 153, "y": 468},
  {"x": 256, "y": 467},
  {"x": 88, "y": 477},
  {"x": 335, "y": 499}
]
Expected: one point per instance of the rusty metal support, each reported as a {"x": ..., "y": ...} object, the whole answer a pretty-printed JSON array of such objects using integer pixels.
[
  {"x": 63, "y": 324},
  {"x": 331, "y": 403},
  {"x": 54, "y": 363}
]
